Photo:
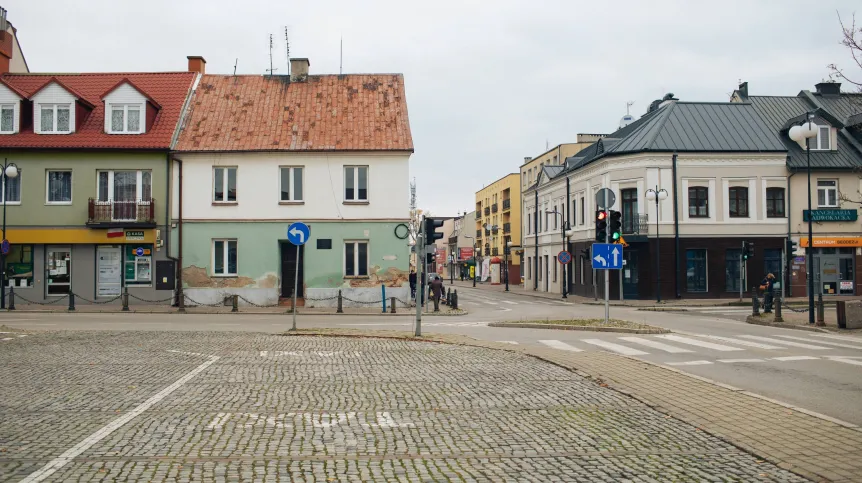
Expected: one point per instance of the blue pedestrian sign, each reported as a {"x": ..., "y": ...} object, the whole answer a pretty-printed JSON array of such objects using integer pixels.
[
  {"x": 564, "y": 257},
  {"x": 607, "y": 256},
  {"x": 5, "y": 247},
  {"x": 297, "y": 233},
  {"x": 139, "y": 251}
]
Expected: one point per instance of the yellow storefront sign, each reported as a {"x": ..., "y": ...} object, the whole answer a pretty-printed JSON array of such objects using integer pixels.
[
  {"x": 821, "y": 242},
  {"x": 71, "y": 236}
]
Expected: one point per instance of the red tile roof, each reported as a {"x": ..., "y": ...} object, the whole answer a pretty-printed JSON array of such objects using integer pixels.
[
  {"x": 126, "y": 80},
  {"x": 354, "y": 112},
  {"x": 168, "y": 89}
]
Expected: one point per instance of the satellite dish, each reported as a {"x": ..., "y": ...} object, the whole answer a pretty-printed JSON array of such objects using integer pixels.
[{"x": 626, "y": 120}]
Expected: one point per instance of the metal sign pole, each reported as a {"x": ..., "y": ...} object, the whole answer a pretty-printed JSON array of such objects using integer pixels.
[
  {"x": 295, "y": 287},
  {"x": 607, "y": 279},
  {"x": 420, "y": 288},
  {"x": 741, "y": 277}
]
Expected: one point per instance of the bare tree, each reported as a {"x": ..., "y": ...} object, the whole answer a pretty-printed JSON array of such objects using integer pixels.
[{"x": 852, "y": 39}]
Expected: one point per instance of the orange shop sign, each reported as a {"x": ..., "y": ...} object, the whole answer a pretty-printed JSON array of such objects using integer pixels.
[{"x": 832, "y": 242}]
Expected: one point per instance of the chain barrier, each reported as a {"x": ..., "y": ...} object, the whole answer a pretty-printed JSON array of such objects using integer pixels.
[
  {"x": 195, "y": 302},
  {"x": 97, "y": 302},
  {"x": 323, "y": 299},
  {"x": 17, "y": 296},
  {"x": 361, "y": 302},
  {"x": 254, "y": 304},
  {"x": 169, "y": 299},
  {"x": 798, "y": 311}
]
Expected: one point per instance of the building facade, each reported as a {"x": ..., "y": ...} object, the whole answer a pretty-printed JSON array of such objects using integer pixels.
[
  {"x": 258, "y": 153},
  {"x": 87, "y": 213},
  {"x": 497, "y": 222},
  {"x": 717, "y": 182},
  {"x": 555, "y": 156}
]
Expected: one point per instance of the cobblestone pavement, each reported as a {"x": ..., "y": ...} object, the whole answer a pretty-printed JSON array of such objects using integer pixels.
[{"x": 194, "y": 406}]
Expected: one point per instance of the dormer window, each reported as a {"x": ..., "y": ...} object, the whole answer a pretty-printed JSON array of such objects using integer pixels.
[
  {"x": 55, "y": 118},
  {"x": 7, "y": 118},
  {"x": 823, "y": 141},
  {"x": 126, "y": 118}
]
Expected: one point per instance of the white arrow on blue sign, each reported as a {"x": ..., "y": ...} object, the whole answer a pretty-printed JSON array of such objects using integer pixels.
[
  {"x": 607, "y": 256},
  {"x": 297, "y": 233}
]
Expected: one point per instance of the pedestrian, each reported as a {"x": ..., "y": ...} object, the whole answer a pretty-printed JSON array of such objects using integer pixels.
[
  {"x": 437, "y": 292},
  {"x": 767, "y": 285},
  {"x": 412, "y": 283}
]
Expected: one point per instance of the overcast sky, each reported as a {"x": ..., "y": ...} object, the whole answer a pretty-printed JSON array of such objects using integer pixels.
[{"x": 488, "y": 82}]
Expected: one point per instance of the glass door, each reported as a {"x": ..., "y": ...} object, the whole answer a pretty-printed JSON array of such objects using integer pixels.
[
  {"x": 125, "y": 195},
  {"x": 58, "y": 271},
  {"x": 829, "y": 274},
  {"x": 846, "y": 276},
  {"x": 630, "y": 275}
]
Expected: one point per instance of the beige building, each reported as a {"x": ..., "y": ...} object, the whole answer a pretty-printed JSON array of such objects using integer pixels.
[
  {"x": 555, "y": 156},
  {"x": 498, "y": 221}
]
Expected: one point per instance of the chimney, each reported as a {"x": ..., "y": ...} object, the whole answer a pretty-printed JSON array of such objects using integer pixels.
[
  {"x": 743, "y": 90},
  {"x": 197, "y": 64},
  {"x": 828, "y": 88},
  {"x": 299, "y": 69},
  {"x": 5, "y": 44},
  {"x": 527, "y": 159}
]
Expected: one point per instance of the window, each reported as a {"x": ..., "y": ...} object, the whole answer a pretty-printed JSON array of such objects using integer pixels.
[
  {"x": 772, "y": 262},
  {"x": 7, "y": 118},
  {"x": 224, "y": 185},
  {"x": 539, "y": 230},
  {"x": 126, "y": 119},
  {"x": 539, "y": 268},
  {"x": 324, "y": 243},
  {"x": 291, "y": 183},
  {"x": 823, "y": 140},
  {"x": 555, "y": 269},
  {"x": 224, "y": 258},
  {"x": 732, "y": 264},
  {"x": 630, "y": 209},
  {"x": 555, "y": 217},
  {"x": 529, "y": 266},
  {"x": 356, "y": 259},
  {"x": 356, "y": 183},
  {"x": 698, "y": 202},
  {"x": 738, "y": 202},
  {"x": 583, "y": 207},
  {"x": 19, "y": 266},
  {"x": 59, "y": 187},
  {"x": 695, "y": 264},
  {"x": 529, "y": 223},
  {"x": 55, "y": 118},
  {"x": 122, "y": 192},
  {"x": 574, "y": 213},
  {"x": 12, "y": 189},
  {"x": 775, "y": 202},
  {"x": 827, "y": 193}
]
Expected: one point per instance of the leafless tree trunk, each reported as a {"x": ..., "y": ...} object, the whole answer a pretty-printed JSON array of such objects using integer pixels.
[{"x": 852, "y": 39}]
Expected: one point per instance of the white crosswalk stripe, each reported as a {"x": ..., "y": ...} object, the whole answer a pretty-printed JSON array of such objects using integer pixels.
[
  {"x": 746, "y": 343},
  {"x": 507, "y": 342},
  {"x": 785, "y": 342},
  {"x": 839, "y": 337},
  {"x": 822, "y": 342},
  {"x": 689, "y": 363},
  {"x": 620, "y": 349},
  {"x": 732, "y": 361},
  {"x": 509, "y": 302},
  {"x": 656, "y": 345},
  {"x": 795, "y": 358},
  {"x": 699, "y": 343},
  {"x": 846, "y": 360},
  {"x": 556, "y": 344}
]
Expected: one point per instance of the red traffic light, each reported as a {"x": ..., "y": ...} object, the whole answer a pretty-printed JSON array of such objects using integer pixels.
[{"x": 602, "y": 215}]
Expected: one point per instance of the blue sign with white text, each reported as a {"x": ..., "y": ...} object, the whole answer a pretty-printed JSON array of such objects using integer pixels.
[
  {"x": 297, "y": 233},
  {"x": 607, "y": 256}
]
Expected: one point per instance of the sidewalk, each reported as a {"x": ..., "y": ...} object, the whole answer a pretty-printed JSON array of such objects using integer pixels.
[
  {"x": 518, "y": 289},
  {"x": 242, "y": 310}
]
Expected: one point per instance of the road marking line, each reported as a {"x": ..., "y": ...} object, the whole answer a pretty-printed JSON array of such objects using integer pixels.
[
  {"x": 785, "y": 342},
  {"x": 845, "y": 360},
  {"x": 699, "y": 343},
  {"x": 747, "y": 343},
  {"x": 7, "y": 338},
  {"x": 836, "y": 344},
  {"x": 621, "y": 349},
  {"x": 795, "y": 358},
  {"x": 656, "y": 345},
  {"x": 25, "y": 335},
  {"x": 509, "y": 302},
  {"x": 689, "y": 363},
  {"x": 839, "y": 337},
  {"x": 556, "y": 344},
  {"x": 507, "y": 342},
  {"x": 731, "y": 361},
  {"x": 88, "y": 442},
  {"x": 490, "y": 302}
]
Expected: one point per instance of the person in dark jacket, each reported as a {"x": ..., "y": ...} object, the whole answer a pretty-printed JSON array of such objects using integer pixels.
[
  {"x": 437, "y": 292},
  {"x": 412, "y": 283},
  {"x": 767, "y": 285}
]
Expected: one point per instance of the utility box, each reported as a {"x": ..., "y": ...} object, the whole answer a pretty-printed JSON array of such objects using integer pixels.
[{"x": 166, "y": 275}]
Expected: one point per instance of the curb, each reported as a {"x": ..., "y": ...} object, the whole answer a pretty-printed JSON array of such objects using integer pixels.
[
  {"x": 751, "y": 319},
  {"x": 663, "y": 309},
  {"x": 620, "y": 330},
  {"x": 191, "y": 311}
]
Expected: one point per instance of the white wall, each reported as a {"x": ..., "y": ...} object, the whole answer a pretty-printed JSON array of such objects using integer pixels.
[
  {"x": 53, "y": 94},
  {"x": 125, "y": 94},
  {"x": 7, "y": 96},
  {"x": 323, "y": 187}
]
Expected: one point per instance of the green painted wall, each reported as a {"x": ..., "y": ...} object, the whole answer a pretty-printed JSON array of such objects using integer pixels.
[
  {"x": 34, "y": 211},
  {"x": 258, "y": 246}
]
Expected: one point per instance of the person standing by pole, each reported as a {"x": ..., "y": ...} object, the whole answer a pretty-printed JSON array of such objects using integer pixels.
[
  {"x": 767, "y": 285},
  {"x": 437, "y": 292}
]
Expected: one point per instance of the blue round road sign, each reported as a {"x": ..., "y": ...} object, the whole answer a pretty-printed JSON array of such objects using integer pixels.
[
  {"x": 297, "y": 233},
  {"x": 5, "y": 247},
  {"x": 564, "y": 257},
  {"x": 139, "y": 251}
]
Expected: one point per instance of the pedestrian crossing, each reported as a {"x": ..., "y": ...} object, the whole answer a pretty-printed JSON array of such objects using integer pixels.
[
  {"x": 713, "y": 345},
  {"x": 471, "y": 299}
]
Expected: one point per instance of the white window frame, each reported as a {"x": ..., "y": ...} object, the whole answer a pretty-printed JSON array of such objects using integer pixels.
[
  {"x": 356, "y": 244},
  {"x": 292, "y": 185},
  {"x": 356, "y": 198},
  {"x": 14, "y": 107},
  {"x": 48, "y": 189},
  {"x": 817, "y": 140},
  {"x": 55, "y": 107},
  {"x": 827, "y": 189},
  {"x": 225, "y": 251},
  {"x": 225, "y": 184},
  {"x": 110, "y": 118},
  {"x": 20, "y": 194},
  {"x": 139, "y": 188}
]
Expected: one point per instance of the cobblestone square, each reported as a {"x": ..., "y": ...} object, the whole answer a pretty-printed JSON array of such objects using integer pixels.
[{"x": 195, "y": 406}]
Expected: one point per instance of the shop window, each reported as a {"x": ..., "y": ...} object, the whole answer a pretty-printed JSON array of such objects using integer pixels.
[
  {"x": 138, "y": 264},
  {"x": 695, "y": 264},
  {"x": 19, "y": 266}
]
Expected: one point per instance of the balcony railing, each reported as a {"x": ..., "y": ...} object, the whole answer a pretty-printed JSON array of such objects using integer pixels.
[
  {"x": 487, "y": 232},
  {"x": 494, "y": 251},
  {"x": 121, "y": 212},
  {"x": 507, "y": 205},
  {"x": 494, "y": 208},
  {"x": 507, "y": 227},
  {"x": 478, "y": 233},
  {"x": 487, "y": 252},
  {"x": 637, "y": 225},
  {"x": 479, "y": 214},
  {"x": 487, "y": 211}
]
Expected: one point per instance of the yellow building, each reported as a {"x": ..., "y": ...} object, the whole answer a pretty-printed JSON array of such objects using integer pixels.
[
  {"x": 555, "y": 156},
  {"x": 498, "y": 220}
]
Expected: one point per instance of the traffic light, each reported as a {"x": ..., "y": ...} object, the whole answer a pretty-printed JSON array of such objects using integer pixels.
[
  {"x": 431, "y": 234},
  {"x": 792, "y": 246},
  {"x": 616, "y": 226},
  {"x": 429, "y": 258},
  {"x": 601, "y": 226},
  {"x": 586, "y": 253},
  {"x": 747, "y": 250}
]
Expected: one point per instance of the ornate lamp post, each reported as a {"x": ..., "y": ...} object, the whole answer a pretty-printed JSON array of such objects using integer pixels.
[
  {"x": 10, "y": 171},
  {"x": 657, "y": 195},
  {"x": 807, "y": 131}
]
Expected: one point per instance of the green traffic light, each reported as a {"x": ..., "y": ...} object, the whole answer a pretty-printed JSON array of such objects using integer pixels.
[{"x": 616, "y": 236}]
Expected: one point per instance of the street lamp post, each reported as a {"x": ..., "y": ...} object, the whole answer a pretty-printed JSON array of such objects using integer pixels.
[
  {"x": 563, "y": 234},
  {"x": 657, "y": 195},
  {"x": 506, "y": 249},
  {"x": 807, "y": 131},
  {"x": 10, "y": 171},
  {"x": 473, "y": 242}
]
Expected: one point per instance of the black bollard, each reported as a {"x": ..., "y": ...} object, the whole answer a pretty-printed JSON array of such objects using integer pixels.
[
  {"x": 777, "y": 302},
  {"x": 455, "y": 300},
  {"x": 392, "y": 305},
  {"x": 71, "y": 302},
  {"x": 339, "y": 310},
  {"x": 821, "y": 311},
  {"x": 12, "y": 298},
  {"x": 755, "y": 304},
  {"x": 234, "y": 303},
  {"x": 125, "y": 299}
]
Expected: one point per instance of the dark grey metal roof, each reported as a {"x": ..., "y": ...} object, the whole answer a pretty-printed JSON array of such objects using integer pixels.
[{"x": 777, "y": 110}]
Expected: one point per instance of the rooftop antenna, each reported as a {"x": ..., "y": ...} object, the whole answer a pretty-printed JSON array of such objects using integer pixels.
[
  {"x": 271, "y": 69},
  {"x": 234, "y": 66},
  {"x": 547, "y": 145},
  {"x": 628, "y": 106},
  {"x": 287, "y": 48}
]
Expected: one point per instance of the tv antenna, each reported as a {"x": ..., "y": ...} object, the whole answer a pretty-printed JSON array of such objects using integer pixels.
[
  {"x": 628, "y": 106},
  {"x": 287, "y": 48},
  {"x": 234, "y": 66},
  {"x": 271, "y": 69}
]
